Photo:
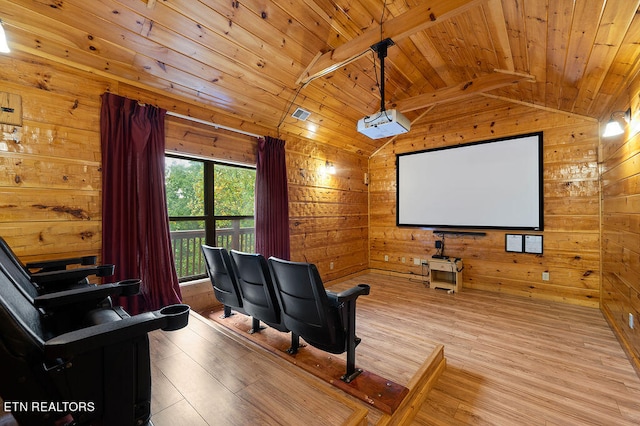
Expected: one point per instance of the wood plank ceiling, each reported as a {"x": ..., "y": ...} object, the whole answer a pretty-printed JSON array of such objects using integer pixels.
[{"x": 253, "y": 59}]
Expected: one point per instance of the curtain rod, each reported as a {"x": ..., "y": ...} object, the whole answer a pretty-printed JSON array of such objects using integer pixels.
[{"x": 209, "y": 123}]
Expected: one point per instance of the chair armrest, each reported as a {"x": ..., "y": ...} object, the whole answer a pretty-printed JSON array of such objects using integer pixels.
[
  {"x": 333, "y": 299},
  {"x": 98, "y": 336},
  {"x": 353, "y": 292},
  {"x": 66, "y": 276},
  {"x": 86, "y": 294},
  {"x": 61, "y": 264}
]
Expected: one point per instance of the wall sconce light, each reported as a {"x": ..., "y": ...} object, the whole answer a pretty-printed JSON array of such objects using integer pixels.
[
  {"x": 329, "y": 167},
  {"x": 613, "y": 127},
  {"x": 4, "y": 47},
  {"x": 14, "y": 135}
]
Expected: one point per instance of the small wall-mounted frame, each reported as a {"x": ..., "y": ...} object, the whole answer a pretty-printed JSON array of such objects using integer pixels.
[
  {"x": 533, "y": 244},
  {"x": 10, "y": 109},
  {"x": 514, "y": 243}
]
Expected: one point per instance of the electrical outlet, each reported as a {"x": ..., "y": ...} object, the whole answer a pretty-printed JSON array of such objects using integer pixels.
[
  {"x": 386, "y": 257},
  {"x": 545, "y": 276},
  {"x": 631, "y": 322},
  {"x": 403, "y": 259},
  {"x": 416, "y": 261},
  {"x": 331, "y": 265}
]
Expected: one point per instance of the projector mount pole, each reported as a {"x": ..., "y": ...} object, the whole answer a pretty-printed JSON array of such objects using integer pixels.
[{"x": 381, "y": 49}]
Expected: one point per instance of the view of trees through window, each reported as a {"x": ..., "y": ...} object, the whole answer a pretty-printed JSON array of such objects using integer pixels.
[{"x": 208, "y": 203}]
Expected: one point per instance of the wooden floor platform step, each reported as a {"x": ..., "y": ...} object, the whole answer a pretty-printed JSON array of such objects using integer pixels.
[{"x": 393, "y": 399}]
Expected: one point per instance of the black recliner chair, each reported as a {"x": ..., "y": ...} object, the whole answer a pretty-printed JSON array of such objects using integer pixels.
[
  {"x": 73, "y": 302},
  {"x": 324, "y": 319},
  {"x": 223, "y": 279},
  {"x": 258, "y": 294},
  {"x": 52, "y": 275},
  {"x": 96, "y": 374}
]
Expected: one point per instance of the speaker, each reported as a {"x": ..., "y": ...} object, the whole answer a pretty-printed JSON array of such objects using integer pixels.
[{"x": 438, "y": 244}]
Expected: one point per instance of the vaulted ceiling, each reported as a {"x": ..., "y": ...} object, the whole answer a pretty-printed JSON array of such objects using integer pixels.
[{"x": 257, "y": 60}]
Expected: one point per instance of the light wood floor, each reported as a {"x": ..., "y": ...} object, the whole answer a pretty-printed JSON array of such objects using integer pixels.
[
  {"x": 510, "y": 361},
  {"x": 203, "y": 376}
]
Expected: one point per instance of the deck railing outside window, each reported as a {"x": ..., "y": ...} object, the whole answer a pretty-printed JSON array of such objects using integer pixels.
[{"x": 188, "y": 255}]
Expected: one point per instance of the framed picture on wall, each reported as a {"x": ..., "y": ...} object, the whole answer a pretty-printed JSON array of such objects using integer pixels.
[
  {"x": 513, "y": 243},
  {"x": 533, "y": 244}
]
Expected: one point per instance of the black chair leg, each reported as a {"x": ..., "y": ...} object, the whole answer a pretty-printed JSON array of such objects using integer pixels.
[
  {"x": 227, "y": 312},
  {"x": 295, "y": 344},
  {"x": 255, "y": 326},
  {"x": 352, "y": 372}
]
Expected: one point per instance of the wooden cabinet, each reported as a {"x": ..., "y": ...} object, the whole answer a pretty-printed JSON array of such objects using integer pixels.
[{"x": 446, "y": 273}]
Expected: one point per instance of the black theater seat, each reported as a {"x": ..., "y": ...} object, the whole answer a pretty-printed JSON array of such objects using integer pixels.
[
  {"x": 258, "y": 294},
  {"x": 95, "y": 370},
  {"x": 52, "y": 275},
  {"x": 223, "y": 279},
  {"x": 324, "y": 319}
]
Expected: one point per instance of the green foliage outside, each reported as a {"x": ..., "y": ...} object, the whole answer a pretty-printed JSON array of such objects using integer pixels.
[
  {"x": 234, "y": 195},
  {"x": 234, "y": 190},
  {"x": 184, "y": 183}
]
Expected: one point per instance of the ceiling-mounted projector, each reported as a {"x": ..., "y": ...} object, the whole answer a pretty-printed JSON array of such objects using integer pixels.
[{"x": 384, "y": 124}]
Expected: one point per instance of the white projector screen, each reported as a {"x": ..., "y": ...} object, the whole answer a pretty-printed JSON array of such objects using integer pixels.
[{"x": 490, "y": 184}]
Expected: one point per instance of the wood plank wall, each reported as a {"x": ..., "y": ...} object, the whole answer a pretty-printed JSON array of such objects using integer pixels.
[
  {"x": 50, "y": 182},
  {"x": 620, "y": 171},
  {"x": 328, "y": 213},
  {"x": 571, "y": 199}
]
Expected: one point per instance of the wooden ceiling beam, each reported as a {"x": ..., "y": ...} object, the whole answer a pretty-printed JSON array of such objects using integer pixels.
[
  {"x": 417, "y": 19},
  {"x": 463, "y": 90}
]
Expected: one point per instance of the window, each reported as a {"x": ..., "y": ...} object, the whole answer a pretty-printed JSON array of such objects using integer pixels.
[{"x": 208, "y": 203}]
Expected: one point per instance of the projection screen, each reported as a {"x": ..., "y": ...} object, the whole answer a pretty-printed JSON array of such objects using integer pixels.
[{"x": 489, "y": 184}]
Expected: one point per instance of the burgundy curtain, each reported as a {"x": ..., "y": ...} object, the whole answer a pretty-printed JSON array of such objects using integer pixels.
[
  {"x": 272, "y": 200},
  {"x": 135, "y": 223}
]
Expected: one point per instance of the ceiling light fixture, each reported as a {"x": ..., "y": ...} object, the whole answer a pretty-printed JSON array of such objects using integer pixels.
[
  {"x": 4, "y": 47},
  {"x": 613, "y": 127}
]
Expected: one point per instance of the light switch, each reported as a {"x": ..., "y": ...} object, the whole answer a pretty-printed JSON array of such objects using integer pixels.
[{"x": 10, "y": 109}]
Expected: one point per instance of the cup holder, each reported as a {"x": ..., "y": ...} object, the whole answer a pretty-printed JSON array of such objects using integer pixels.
[
  {"x": 106, "y": 270},
  {"x": 177, "y": 316},
  {"x": 130, "y": 286}
]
